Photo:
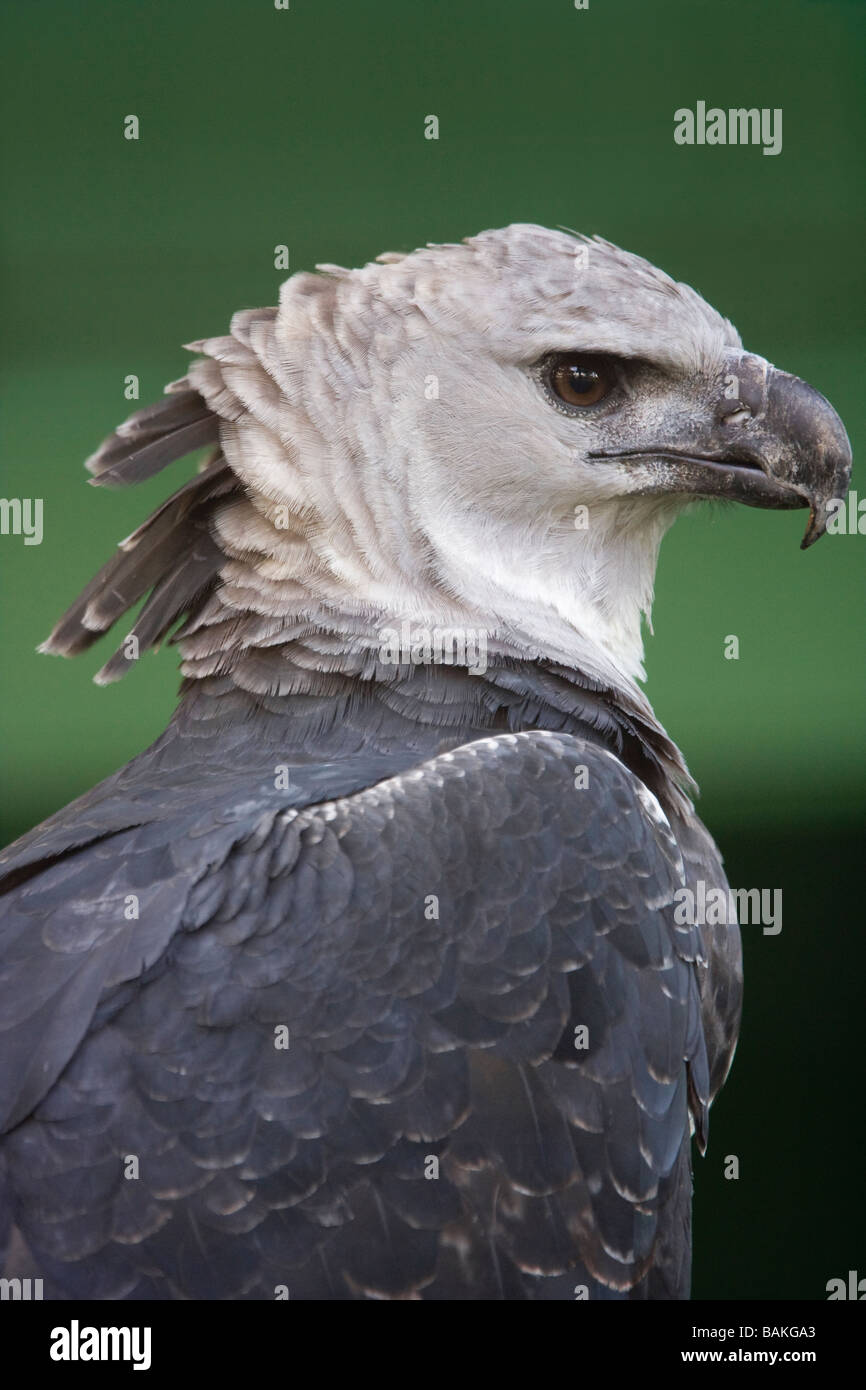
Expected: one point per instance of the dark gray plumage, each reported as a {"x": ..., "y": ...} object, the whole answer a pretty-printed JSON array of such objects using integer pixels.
[{"x": 397, "y": 864}]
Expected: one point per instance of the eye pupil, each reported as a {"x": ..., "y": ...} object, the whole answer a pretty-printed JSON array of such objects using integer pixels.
[{"x": 580, "y": 381}]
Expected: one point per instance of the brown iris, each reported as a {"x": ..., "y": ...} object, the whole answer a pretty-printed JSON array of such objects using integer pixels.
[{"x": 579, "y": 380}]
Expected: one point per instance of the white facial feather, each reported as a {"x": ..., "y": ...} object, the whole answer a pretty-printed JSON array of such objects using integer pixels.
[{"x": 402, "y": 460}]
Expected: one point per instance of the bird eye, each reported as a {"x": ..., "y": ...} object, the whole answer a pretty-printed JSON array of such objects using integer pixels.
[{"x": 580, "y": 381}]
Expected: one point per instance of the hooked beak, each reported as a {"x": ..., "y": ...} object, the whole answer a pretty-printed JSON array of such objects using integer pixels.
[{"x": 773, "y": 441}]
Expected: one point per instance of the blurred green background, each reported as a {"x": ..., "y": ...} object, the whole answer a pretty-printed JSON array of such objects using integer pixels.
[{"x": 305, "y": 127}]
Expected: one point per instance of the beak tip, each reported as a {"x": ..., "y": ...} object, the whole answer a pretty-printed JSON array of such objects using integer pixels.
[
  {"x": 816, "y": 528},
  {"x": 814, "y": 531}
]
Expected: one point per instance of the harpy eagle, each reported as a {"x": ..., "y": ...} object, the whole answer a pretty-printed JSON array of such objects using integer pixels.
[{"x": 365, "y": 980}]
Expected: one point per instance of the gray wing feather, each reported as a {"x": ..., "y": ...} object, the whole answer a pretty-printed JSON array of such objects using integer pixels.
[{"x": 430, "y": 944}]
